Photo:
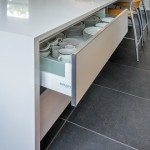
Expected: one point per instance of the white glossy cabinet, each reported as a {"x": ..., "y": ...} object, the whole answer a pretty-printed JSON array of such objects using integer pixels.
[{"x": 26, "y": 115}]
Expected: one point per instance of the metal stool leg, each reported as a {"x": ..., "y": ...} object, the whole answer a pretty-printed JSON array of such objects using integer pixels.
[
  {"x": 142, "y": 23},
  {"x": 135, "y": 36},
  {"x": 140, "y": 20}
]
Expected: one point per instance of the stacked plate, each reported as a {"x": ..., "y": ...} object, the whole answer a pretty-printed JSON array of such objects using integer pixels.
[
  {"x": 90, "y": 31},
  {"x": 75, "y": 31},
  {"x": 45, "y": 49},
  {"x": 107, "y": 19},
  {"x": 101, "y": 24},
  {"x": 91, "y": 21},
  {"x": 65, "y": 53},
  {"x": 66, "y": 47},
  {"x": 76, "y": 41}
]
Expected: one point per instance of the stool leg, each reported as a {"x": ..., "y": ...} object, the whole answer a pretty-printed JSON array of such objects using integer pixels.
[
  {"x": 135, "y": 36},
  {"x": 146, "y": 16},
  {"x": 142, "y": 23},
  {"x": 140, "y": 27}
]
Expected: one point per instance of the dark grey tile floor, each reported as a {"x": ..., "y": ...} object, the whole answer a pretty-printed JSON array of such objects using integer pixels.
[{"x": 114, "y": 114}]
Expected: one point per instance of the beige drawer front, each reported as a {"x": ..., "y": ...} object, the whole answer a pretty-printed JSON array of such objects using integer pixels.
[{"x": 89, "y": 60}]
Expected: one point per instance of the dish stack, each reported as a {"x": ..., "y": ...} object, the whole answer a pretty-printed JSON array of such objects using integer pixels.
[
  {"x": 91, "y": 21},
  {"x": 90, "y": 31},
  {"x": 75, "y": 31},
  {"x": 45, "y": 49},
  {"x": 62, "y": 46},
  {"x": 64, "y": 49},
  {"x": 95, "y": 23}
]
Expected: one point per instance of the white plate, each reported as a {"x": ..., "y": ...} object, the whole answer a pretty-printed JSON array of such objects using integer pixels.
[
  {"x": 101, "y": 24},
  {"x": 108, "y": 19},
  {"x": 92, "y": 30},
  {"x": 66, "y": 51},
  {"x": 73, "y": 41}
]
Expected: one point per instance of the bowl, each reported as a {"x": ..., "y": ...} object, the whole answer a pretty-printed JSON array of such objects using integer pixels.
[
  {"x": 44, "y": 53},
  {"x": 60, "y": 35},
  {"x": 45, "y": 46},
  {"x": 91, "y": 21}
]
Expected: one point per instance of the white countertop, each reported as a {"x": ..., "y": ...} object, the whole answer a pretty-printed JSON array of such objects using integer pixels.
[{"x": 36, "y": 17}]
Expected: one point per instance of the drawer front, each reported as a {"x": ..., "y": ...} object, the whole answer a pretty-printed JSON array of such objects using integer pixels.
[{"x": 90, "y": 60}]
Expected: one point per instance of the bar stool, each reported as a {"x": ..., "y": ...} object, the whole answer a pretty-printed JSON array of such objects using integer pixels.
[
  {"x": 137, "y": 3},
  {"x": 132, "y": 7}
]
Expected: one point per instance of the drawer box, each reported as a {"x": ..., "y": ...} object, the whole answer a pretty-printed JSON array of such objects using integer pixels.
[
  {"x": 73, "y": 79},
  {"x": 56, "y": 75}
]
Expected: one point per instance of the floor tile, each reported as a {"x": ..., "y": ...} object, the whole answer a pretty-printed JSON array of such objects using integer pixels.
[
  {"x": 127, "y": 56},
  {"x": 73, "y": 137},
  {"x": 51, "y": 134},
  {"x": 116, "y": 115},
  {"x": 130, "y": 33},
  {"x": 42, "y": 89},
  {"x": 67, "y": 111},
  {"x": 127, "y": 79}
]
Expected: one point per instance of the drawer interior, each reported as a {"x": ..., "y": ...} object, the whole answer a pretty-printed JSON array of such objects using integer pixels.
[{"x": 52, "y": 66}]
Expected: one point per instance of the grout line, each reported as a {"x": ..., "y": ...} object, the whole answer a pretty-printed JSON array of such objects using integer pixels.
[
  {"x": 56, "y": 135},
  {"x": 65, "y": 120},
  {"x": 146, "y": 99},
  {"x": 101, "y": 135},
  {"x": 70, "y": 113},
  {"x": 129, "y": 66}
]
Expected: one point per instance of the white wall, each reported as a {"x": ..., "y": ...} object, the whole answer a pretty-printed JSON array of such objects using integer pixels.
[{"x": 147, "y": 4}]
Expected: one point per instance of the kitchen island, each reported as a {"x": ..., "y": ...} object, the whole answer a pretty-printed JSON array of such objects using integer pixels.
[{"x": 25, "y": 116}]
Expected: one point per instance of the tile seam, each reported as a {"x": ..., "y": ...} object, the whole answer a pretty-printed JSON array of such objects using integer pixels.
[
  {"x": 60, "y": 129},
  {"x": 146, "y": 70},
  {"x": 145, "y": 99},
  {"x": 106, "y": 137}
]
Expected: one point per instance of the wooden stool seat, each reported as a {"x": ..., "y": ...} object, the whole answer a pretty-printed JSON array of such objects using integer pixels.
[
  {"x": 116, "y": 11},
  {"x": 127, "y": 4}
]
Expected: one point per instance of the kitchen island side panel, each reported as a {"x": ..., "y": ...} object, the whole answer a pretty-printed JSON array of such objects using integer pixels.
[{"x": 19, "y": 100}]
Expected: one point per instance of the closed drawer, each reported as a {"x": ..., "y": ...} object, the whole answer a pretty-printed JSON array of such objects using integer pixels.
[{"x": 73, "y": 79}]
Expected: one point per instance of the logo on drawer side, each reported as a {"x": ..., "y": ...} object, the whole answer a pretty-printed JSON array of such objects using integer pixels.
[{"x": 65, "y": 85}]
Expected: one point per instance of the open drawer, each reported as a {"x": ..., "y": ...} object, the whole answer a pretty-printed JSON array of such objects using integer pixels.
[{"x": 73, "y": 79}]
